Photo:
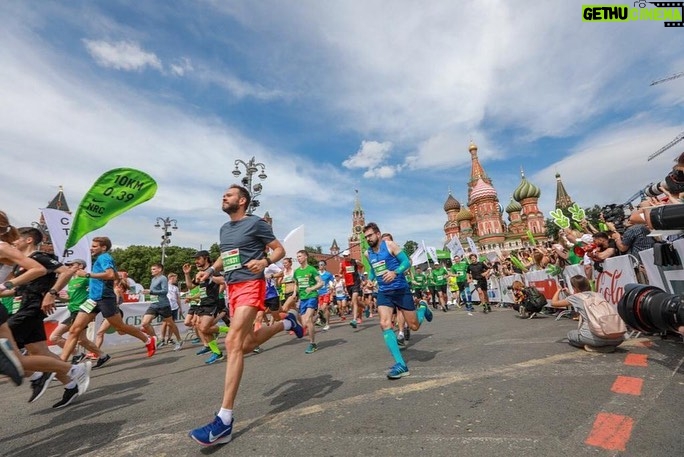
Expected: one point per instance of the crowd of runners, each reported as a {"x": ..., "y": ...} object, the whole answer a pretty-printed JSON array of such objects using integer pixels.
[{"x": 249, "y": 294}]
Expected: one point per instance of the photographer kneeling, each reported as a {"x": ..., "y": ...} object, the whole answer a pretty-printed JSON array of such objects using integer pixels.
[{"x": 583, "y": 337}]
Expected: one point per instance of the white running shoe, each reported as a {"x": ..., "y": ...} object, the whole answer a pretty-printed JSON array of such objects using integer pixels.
[{"x": 81, "y": 374}]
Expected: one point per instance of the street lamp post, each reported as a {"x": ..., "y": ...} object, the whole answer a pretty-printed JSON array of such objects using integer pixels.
[
  {"x": 165, "y": 223},
  {"x": 251, "y": 167}
]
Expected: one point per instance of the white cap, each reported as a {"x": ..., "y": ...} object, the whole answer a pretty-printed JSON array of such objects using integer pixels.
[
  {"x": 586, "y": 238},
  {"x": 345, "y": 252}
]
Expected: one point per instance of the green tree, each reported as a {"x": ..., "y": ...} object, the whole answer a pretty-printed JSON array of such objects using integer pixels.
[
  {"x": 410, "y": 247},
  {"x": 137, "y": 260},
  {"x": 312, "y": 250}
]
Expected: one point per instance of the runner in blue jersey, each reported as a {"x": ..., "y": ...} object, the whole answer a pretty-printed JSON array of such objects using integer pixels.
[
  {"x": 387, "y": 264},
  {"x": 324, "y": 294}
]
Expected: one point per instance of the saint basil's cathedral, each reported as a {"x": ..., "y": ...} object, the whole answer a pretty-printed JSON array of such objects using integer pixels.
[{"x": 482, "y": 219}]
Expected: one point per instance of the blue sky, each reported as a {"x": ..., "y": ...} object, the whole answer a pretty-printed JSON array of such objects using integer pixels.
[{"x": 379, "y": 96}]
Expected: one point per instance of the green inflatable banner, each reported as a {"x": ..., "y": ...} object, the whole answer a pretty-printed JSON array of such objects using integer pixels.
[{"x": 114, "y": 193}]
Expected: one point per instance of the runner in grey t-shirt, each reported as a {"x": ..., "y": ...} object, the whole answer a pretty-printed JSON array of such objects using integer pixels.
[
  {"x": 240, "y": 242},
  {"x": 160, "y": 305}
]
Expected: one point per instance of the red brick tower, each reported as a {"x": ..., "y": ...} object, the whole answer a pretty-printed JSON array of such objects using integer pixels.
[{"x": 358, "y": 221}]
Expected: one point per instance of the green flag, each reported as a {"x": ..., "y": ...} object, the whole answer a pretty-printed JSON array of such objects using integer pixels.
[{"x": 114, "y": 193}]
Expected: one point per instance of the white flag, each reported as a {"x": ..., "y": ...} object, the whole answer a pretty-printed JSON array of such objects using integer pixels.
[
  {"x": 59, "y": 224},
  {"x": 455, "y": 247},
  {"x": 472, "y": 246},
  {"x": 418, "y": 257},
  {"x": 294, "y": 241},
  {"x": 430, "y": 251}
]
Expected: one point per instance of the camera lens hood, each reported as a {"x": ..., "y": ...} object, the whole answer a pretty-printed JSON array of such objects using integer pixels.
[{"x": 668, "y": 217}]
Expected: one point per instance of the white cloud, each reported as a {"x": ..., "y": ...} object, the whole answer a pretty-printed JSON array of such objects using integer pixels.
[
  {"x": 383, "y": 172},
  {"x": 122, "y": 55},
  {"x": 370, "y": 155},
  {"x": 181, "y": 67}
]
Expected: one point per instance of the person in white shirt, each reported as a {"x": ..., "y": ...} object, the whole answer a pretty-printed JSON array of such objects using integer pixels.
[{"x": 175, "y": 302}]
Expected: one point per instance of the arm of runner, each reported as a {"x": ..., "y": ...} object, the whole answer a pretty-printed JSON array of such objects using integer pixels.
[
  {"x": 318, "y": 285},
  {"x": 65, "y": 274},
  {"x": 371, "y": 272},
  {"x": 14, "y": 256}
]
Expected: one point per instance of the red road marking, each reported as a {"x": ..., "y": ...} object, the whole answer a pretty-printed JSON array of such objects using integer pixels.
[
  {"x": 610, "y": 431},
  {"x": 627, "y": 385},
  {"x": 636, "y": 360}
]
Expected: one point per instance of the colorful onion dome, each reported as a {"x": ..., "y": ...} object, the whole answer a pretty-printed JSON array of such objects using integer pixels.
[
  {"x": 513, "y": 207},
  {"x": 526, "y": 190},
  {"x": 482, "y": 190},
  {"x": 451, "y": 204},
  {"x": 464, "y": 215}
]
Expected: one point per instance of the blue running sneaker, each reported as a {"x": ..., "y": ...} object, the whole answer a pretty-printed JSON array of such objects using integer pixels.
[
  {"x": 313, "y": 347},
  {"x": 299, "y": 331},
  {"x": 215, "y": 433},
  {"x": 398, "y": 371},
  {"x": 214, "y": 358},
  {"x": 353, "y": 323},
  {"x": 204, "y": 350}
]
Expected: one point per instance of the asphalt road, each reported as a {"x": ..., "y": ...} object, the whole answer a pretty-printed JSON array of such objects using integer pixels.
[{"x": 481, "y": 385}]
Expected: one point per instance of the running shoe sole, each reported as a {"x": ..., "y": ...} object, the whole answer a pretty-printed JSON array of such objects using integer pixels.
[{"x": 9, "y": 363}]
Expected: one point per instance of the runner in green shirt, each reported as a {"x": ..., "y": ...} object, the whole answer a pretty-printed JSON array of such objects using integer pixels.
[
  {"x": 431, "y": 287},
  {"x": 439, "y": 277},
  {"x": 308, "y": 282},
  {"x": 419, "y": 282},
  {"x": 459, "y": 270}
]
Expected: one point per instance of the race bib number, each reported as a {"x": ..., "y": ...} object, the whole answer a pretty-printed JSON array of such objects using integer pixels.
[
  {"x": 303, "y": 283},
  {"x": 203, "y": 292},
  {"x": 349, "y": 269},
  {"x": 88, "y": 306},
  {"x": 154, "y": 298},
  {"x": 440, "y": 278},
  {"x": 231, "y": 260},
  {"x": 379, "y": 267}
]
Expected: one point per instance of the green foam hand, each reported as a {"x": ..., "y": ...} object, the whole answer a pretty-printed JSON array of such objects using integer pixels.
[
  {"x": 560, "y": 219},
  {"x": 577, "y": 212}
]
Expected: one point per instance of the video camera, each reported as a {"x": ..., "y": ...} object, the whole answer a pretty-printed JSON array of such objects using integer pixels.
[
  {"x": 616, "y": 215},
  {"x": 673, "y": 183}
]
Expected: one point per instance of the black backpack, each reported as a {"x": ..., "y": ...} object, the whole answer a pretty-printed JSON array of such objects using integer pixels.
[{"x": 534, "y": 301}]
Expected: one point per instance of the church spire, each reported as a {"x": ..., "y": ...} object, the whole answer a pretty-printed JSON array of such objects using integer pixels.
[
  {"x": 476, "y": 170},
  {"x": 563, "y": 200},
  {"x": 59, "y": 201}
]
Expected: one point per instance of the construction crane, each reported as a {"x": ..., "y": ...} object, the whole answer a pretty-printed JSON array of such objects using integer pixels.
[
  {"x": 677, "y": 139},
  {"x": 641, "y": 195},
  {"x": 669, "y": 78}
]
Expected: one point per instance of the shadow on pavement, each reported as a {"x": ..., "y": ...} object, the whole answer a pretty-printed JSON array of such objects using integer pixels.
[{"x": 74, "y": 441}]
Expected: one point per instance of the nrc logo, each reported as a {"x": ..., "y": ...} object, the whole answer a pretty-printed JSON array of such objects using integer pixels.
[{"x": 670, "y": 13}]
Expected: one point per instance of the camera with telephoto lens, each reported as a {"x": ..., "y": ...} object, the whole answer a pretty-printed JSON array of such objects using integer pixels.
[
  {"x": 649, "y": 309},
  {"x": 668, "y": 217},
  {"x": 616, "y": 215},
  {"x": 673, "y": 183}
]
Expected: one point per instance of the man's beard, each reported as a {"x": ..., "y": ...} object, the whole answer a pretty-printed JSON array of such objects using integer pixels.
[
  {"x": 229, "y": 208},
  {"x": 373, "y": 244}
]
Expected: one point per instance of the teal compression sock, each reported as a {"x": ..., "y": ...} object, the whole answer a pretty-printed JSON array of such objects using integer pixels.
[
  {"x": 391, "y": 343},
  {"x": 420, "y": 313}
]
